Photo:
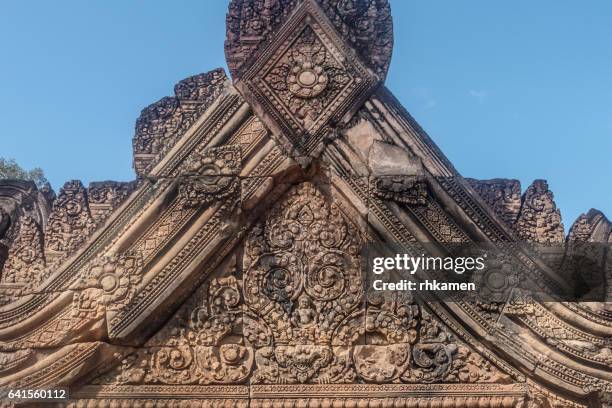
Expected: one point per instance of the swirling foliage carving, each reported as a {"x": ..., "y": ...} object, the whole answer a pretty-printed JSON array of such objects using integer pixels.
[{"x": 302, "y": 265}]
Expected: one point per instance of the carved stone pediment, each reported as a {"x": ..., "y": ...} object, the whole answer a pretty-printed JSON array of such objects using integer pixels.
[
  {"x": 306, "y": 80},
  {"x": 231, "y": 274}
]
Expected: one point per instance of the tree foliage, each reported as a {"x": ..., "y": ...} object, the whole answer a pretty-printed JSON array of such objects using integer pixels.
[{"x": 9, "y": 169}]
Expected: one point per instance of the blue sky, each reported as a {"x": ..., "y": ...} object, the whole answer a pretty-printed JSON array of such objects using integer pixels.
[{"x": 519, "y": 89}]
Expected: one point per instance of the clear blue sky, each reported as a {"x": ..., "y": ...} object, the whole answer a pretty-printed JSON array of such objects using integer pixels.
[{"x": 519, "y": 89}]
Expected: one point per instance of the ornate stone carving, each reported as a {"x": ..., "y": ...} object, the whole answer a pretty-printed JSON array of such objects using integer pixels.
[
  {"x": 381, "y": 364},
  {"x": 279, "y": 316},
  {"x": 26, "y": 260},
  {"x": 391, "y": 320},
  {"x": 591, "y": 227},
  {"x": 197, "y": 346},
  {"x": 302, "y": 266},
  {"x": 108, "y": 282},
  {"x": 106, "y": 196},
  {"x": 210, "y": 176},
  {"x": 303, "y": 363},
  {"x": 307, "y": 79},
  {"x": 185, "y": 364},
  {"x": 439, "y": 357},
  {"x": 161, "y": 124},
  {"x": 539, "y": 220},
  {"x": 502, "y": 195},
  {"x": 404, "y": 189},
  {"x": 70, "y": 223},
  {"x": 22, "y": 198},
  {"x": 365, "y": 24}
]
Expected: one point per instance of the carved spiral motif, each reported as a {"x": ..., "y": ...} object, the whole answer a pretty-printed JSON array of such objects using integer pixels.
[
  {"x": 283, "y": 234},
  {"x": 172, "y": 365},
  {"x": 326, "y": 278},
  {"x": 329, "y": 236},
  {"x": 434, "y": 358},
  {"x": 280, "y": 284},
  {"x": 278, "y": 278},
  {"x": 303, "y": 277}
]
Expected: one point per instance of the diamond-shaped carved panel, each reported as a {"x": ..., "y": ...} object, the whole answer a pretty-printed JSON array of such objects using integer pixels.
[{"x": 306, "y": 81}]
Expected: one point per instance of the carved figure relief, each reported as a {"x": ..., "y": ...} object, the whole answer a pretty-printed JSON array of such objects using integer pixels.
[
  {"x": 404, "y": 189},
  {"x": 202, "y": 345}
]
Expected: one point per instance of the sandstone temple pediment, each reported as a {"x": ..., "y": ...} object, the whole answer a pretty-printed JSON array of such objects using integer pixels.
[{"x": 230, "y": 272}]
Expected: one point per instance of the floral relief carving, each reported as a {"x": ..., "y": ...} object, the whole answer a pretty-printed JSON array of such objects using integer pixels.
[
  {"x": 295, "y": 312},
  {"x": 439, "y": 357},
  {"x": 302, "y": 266},
  {"x": 307, "y": 78},
  {"x": 202, "y": 345},
  {"x": 309, "y": 82},
  {"x": 383, "y": 363},
  {"x": 210, "y": 175},
  {"x": 109, "y": 282}
]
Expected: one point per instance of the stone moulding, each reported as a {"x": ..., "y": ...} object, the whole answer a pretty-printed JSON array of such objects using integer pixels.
[
  {"x": 346, "y": 395},
  {"x": 162, "y": 391}
]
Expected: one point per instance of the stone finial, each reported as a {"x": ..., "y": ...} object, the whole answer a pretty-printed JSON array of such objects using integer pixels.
[
  {"x": 502, "y": 195},
  {"x": 539, "y": 219}
]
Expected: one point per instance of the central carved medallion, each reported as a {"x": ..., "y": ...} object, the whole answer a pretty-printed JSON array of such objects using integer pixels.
[{"x": 306, "y": 80}]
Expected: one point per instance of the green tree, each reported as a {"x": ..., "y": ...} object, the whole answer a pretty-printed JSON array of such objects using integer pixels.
[{"x": 9, "y": 169}]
